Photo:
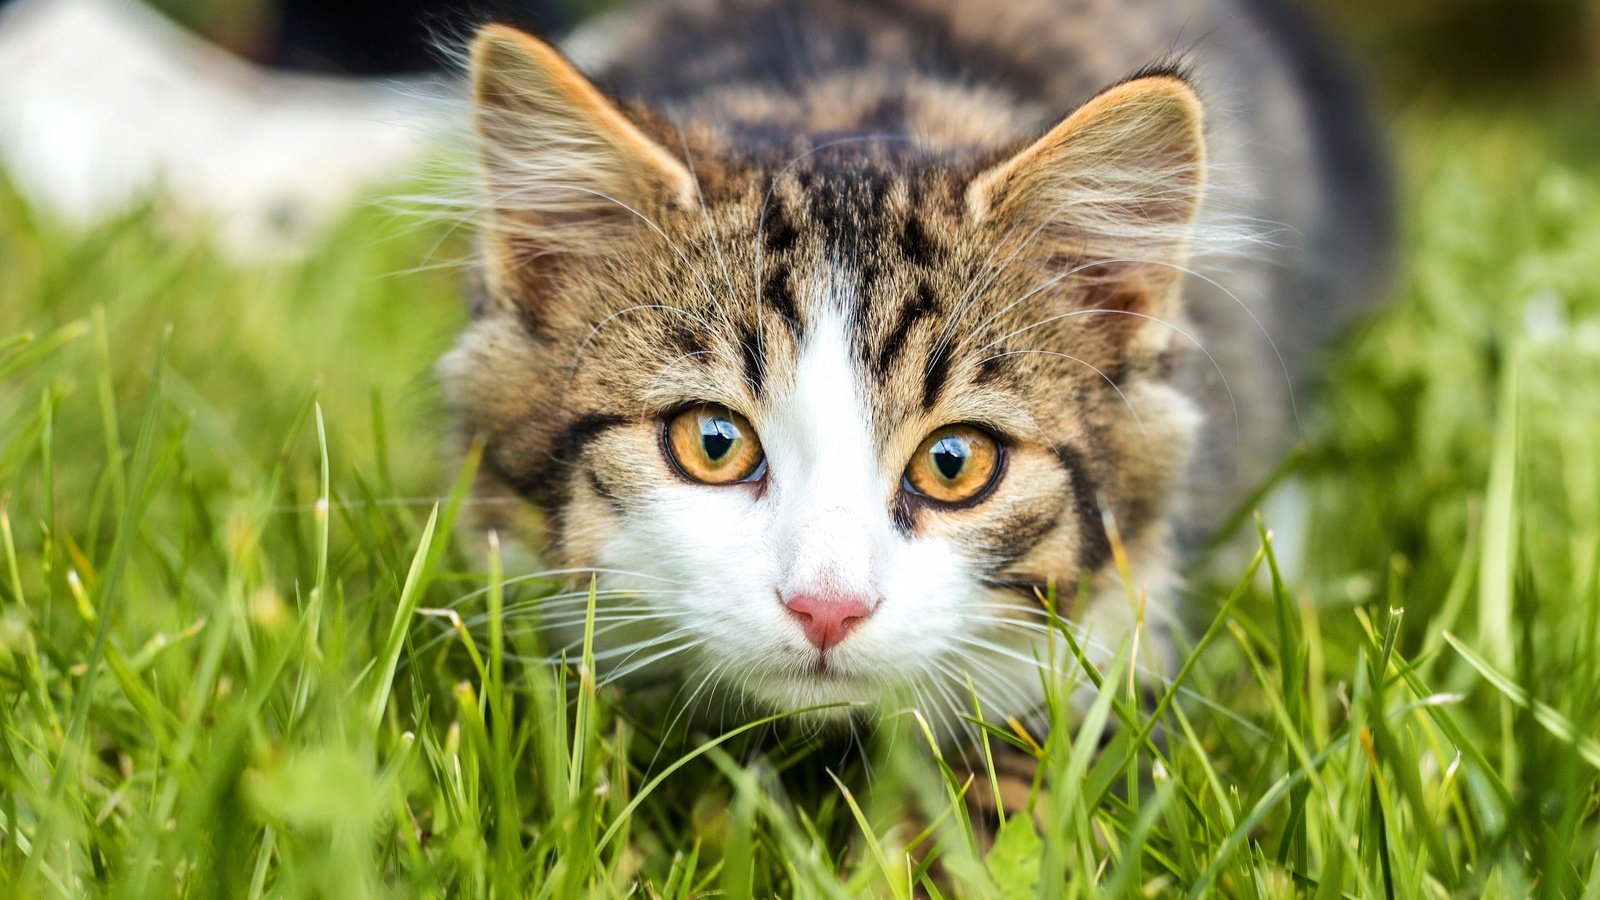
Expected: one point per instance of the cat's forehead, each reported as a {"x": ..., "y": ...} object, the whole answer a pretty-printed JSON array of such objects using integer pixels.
[
  {"x": 879, "y": 245},
  {"x": 843, "y": 195},
  {"x": 881, "y": 233}
]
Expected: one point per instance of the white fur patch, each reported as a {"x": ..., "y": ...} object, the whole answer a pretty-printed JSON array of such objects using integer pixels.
[
  {"x": 713, "y": 564},
  {"x": 823, "y": 523}
]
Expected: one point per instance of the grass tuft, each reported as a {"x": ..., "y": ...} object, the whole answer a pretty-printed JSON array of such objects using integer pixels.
[{"x": 243, "y": 654}]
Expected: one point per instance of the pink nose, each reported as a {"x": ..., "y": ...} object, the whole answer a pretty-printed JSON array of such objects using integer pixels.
[{"x": 827, "y": 618}]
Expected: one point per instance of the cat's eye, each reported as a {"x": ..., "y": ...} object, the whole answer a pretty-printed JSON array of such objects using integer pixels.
[
  {"x": 713, "y": 445},
  {"x": 954, "y": 464}
]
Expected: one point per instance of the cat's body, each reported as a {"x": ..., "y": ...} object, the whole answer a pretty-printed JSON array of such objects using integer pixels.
[{"x": 880, "y": 243}]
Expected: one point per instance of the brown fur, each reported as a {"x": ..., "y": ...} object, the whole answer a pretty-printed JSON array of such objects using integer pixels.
[{"x": 1013, "y": 201}]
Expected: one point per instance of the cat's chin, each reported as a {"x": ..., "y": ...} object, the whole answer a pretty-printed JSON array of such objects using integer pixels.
[{"x": 820, "y": 694}]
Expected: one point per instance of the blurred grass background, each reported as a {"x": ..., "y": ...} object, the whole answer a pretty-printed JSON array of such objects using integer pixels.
[{"x": 217, "y": 523}]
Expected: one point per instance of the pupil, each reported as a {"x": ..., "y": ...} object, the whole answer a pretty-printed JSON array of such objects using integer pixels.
[
  {"x": 950, "y": 457},
  {"x": 717, "y": 437}
]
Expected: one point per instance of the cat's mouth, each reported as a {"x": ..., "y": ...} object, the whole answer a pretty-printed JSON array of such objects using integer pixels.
[{"x": 822, "y": 670}]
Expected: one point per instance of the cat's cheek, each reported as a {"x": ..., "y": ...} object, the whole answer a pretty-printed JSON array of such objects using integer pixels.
[{"x": 707, "y": 549}]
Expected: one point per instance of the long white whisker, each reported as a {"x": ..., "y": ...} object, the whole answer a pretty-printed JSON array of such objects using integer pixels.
[
  {"x": 1237, "y": 428},
  {"x": 678, "y": 251},
  {"x": 1090, "y": 643},
  {"x": 552, "y": 574},
  {"x": 1138, "y": 420},
  {"x": 583, "y": 346},
  {"x": 626, "y": 668}
]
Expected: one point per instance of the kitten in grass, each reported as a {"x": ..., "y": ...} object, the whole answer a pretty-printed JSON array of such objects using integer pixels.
[{"x": 830, "y": 334}]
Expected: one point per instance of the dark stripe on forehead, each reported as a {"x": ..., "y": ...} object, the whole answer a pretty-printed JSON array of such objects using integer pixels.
[
  {"x": 755, "y": 365},
  {"x": 861, "y": 309},
  {"x": 915, "y": 243},
  {"x": 778, "y": 293},
  {"x": 866, "y": 285},
  {"x": 919, "y": 307},
  {"x": 684, "y": 338},
  {"x": 777, "y": 232},
  {"x": 995, "y": 366},
  {"x": 936, "y": 374},
  {"x": 1094, "y": 545}
]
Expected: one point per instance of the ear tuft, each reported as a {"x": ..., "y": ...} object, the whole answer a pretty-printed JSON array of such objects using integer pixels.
[
  {"x": 1108, "y": 199},
  {"x": 1122, "y": 176},
  {"x": 564, "y": 165}
]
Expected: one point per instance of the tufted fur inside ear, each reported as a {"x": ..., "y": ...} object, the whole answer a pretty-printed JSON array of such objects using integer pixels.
[
  {"x": 1111, "y": 192},
  {"x": 1122, "y": 175},
  {"x": 567, "y": 171}
]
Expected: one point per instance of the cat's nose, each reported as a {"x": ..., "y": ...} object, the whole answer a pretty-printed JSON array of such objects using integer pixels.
[{"x": 827, "y": 618}]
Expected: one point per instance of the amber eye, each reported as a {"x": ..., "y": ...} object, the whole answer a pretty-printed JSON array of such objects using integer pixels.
[
  {"x": 954, "y": 464},
  {"x": 714, "y": 445}
]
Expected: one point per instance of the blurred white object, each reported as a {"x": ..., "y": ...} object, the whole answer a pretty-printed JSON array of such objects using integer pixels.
[{"x": 103, "y": 102}]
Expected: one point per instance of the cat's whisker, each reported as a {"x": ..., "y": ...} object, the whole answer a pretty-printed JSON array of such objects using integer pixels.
[
  {"x": 997, "y": 686},
  {"x": 710, "y": 226},
  {"x": 607, "y": 618},
  {"x": 458, "y": 213},
  {"x": 603, "y": 652},
  {"x": 944, "y": 711},
  {"x": 1238, "y": 432},
  {"x": 535, "y": 617},
  {"x": 555, "y": 574},
  {"x": 1138, "y": 420},
  {"x": 1192, "y": 273},
  {"x": 706, "y": 676},
  {"x": 572, "y": 649},
  {"x": 1283, "y": 366},
  {"x": 570, "y": 608},
  {"x": 1037, "y": 290},
  {"x": 504, "y": 198},
  {"x": 580, "y": 598},
  {"x": 952, "y": 718},
  {"x": 390, "y": 502},
  {"x": 1089, "y": 643},
  {"x": 581, "y": 595},
  {"x": 625, "y": 668},
  {"x": 570, "y": 654},
  {"x": 649, "y": 386},
  {"x": 989, "y": 273},
  {"x": 540, "y": 627},
  {"x": 856, "y": 741},
  {"x": 998, "y": 690},
  {"x": 583, "y": 346}
]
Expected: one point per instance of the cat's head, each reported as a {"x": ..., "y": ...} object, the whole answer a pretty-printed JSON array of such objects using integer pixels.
[{"x": 823, "y": 415}]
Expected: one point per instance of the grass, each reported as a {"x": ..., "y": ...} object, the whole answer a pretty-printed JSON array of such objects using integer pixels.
[{"x": 225, "y": 528}]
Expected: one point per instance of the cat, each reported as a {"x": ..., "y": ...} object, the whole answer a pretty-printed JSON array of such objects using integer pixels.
[{"x": 831, "y": 335}]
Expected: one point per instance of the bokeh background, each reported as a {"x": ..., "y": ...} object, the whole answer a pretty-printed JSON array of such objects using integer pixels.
[
  {"x": 218, "y": 463},
  {"x": 1465, "y": 50}
]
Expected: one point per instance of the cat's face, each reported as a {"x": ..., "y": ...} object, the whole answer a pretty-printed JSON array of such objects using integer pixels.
[{"x": 825, "y": 417}]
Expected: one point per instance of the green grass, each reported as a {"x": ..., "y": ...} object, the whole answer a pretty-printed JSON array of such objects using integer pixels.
[{"x": 225, "y": 519}]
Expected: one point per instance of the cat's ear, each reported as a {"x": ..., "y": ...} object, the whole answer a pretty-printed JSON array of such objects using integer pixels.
[
  {"x": 567, "y": 171},
  {"x": 1111, "y": 193}
]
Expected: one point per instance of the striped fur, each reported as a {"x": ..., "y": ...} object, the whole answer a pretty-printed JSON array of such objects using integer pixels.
[{"x": 854, "y": 223}]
